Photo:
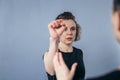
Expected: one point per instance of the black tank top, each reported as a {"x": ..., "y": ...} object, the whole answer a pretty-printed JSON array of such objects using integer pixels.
[{"x": 70, "y": 58}]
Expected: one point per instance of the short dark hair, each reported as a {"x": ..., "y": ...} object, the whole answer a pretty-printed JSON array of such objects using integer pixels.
[
  {"x": 116, "y": 5},
  {"x": 67, "y": 16}
]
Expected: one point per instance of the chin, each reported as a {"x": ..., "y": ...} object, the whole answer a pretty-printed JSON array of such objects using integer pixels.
[{"x": 69, "y": 43}]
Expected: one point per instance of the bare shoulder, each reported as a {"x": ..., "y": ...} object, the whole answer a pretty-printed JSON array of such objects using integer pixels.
[{"x": 44, "y": 55}]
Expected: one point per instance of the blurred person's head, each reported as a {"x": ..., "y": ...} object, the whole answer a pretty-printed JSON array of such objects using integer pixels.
[{"x": 116, "y": 19}]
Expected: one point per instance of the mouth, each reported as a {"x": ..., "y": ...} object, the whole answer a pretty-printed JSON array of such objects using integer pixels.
[{"x": 69, "y": 39}]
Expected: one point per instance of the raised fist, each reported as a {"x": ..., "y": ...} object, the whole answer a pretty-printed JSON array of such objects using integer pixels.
[{"x": 56, "y": 28}]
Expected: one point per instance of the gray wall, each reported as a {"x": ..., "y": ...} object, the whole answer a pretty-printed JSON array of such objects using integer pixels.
[{"x": 24, "y": 36}]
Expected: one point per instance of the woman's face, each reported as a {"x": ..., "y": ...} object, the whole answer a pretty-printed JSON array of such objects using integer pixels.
[{"x": 69, "y": 34}]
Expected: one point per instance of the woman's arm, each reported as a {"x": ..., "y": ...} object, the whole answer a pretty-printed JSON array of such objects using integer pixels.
[{"x": 56, "y": 28}]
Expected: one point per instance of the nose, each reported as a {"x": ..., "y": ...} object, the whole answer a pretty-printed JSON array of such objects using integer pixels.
[{"x": 69, "y": 31}]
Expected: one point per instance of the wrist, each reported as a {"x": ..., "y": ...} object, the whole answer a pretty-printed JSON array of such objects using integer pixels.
[{"x": 54, "y": 39}]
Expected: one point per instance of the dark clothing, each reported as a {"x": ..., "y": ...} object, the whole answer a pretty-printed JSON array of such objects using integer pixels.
[
  {"x": 114, "y": 75},
  {"x": 70, "y": 58}
]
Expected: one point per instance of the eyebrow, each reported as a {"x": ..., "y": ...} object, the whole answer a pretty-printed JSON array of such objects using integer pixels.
[{"x": 73, "y": 26}]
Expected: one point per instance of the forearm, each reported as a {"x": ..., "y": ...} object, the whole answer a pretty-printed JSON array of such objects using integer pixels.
[
  {"x": 48, "y": 58},
  {"x": 53, "y": 46}
]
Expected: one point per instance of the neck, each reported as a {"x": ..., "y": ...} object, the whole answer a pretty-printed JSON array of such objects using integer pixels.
[{"x": 65, "y": 47}]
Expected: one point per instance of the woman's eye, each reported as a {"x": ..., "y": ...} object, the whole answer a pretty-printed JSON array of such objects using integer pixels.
[{"x": 73, "y": 28}]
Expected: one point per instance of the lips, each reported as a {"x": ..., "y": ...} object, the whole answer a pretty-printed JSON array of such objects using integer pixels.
[{"x": 69, "y": 38}]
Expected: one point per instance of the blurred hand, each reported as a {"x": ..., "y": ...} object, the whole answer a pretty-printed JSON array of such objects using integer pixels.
[
  {"x": 56, "y": 28},
  {"x": 61, "y": 70}
]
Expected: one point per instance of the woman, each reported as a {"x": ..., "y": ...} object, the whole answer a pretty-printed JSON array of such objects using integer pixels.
[
  {"x": 64, "y": 30},
  {"x": 59, "y": 64}
]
